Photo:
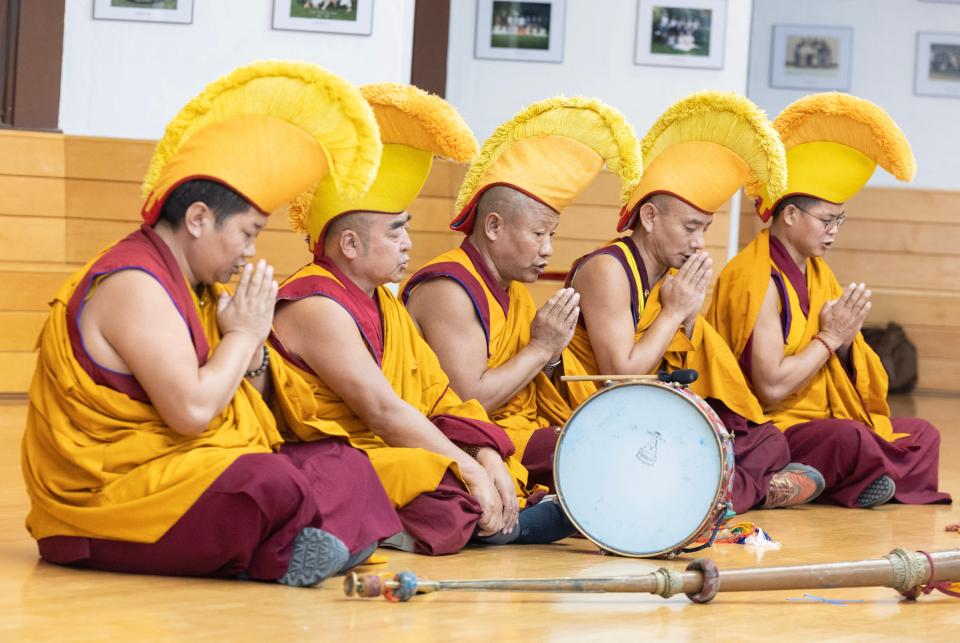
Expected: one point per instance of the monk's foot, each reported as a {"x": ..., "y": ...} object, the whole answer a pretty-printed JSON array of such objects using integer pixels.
[
  {"x": 793, "y": 485},
  {"x": 877, "y": 492},
  {"x": 316, "y": 555},
  {"x": 543, "y": 523},
  {"x": 400, "y": 540}
]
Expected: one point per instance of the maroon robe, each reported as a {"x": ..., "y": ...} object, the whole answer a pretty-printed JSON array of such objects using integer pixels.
[
  {"x": 247, "y": 520},
  {"x": 538, "y": 453},
  {"x": 848, "y": 453},
  {"x": 441, "y": 521}
]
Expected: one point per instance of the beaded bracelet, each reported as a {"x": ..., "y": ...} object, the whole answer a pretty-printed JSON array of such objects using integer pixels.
[
  {"x": 260, "y": 370},
  {"x": 825, "y": 345},
  {"x": 471, "y": 450}
]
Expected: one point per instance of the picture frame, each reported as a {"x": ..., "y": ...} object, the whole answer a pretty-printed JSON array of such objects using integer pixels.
[
  {"x": 330, "y": 16},
  {"x": 811, "y": 57},
  {"x": 172, "y": 11},
  {"x": 681, "y": 33},
  {"x": 531, "y": 31},
  {"x": 937, "y": 67}
]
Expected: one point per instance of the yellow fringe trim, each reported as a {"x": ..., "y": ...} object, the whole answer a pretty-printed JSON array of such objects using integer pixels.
[
  {"x": 325, "y": 105},
  {"x": 298, "y": 212},
  {"x": 763, "y": 152},
  {"x": 452, "y": 137},
  {"x": 587, "y": 120},
  {"x": 895, "y": 154}
]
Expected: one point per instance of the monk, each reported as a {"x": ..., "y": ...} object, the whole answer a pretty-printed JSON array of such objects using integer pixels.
[
  {"x": 796, "y": 331},
  {"x": 149, "y": 447},
  {"x": 641, "y": 295},
  {"x": 447, "y": 469},
  {"x": 471, "y": 303}
]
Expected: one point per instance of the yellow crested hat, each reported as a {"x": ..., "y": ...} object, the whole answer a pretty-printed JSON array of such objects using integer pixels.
[
  {"x": 706, "y": 147},
  {"x": 834, "y": 142},
  {"x": 552, "y": 151},
  {"x": 268, "y": 131},
  {"x": 414, "y": 127}
]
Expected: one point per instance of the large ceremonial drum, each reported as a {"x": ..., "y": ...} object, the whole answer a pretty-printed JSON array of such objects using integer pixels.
[{"x": 644, "y": 469}]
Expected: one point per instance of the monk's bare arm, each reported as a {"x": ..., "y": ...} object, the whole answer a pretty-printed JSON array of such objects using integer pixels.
[
  {"x": 776, "y": 376},
  {"x": 605, "y": 304},
  {"x": 324, "y": 335},
  {"x": 446, "y": 316},
  {"x": 131, "y": 325}
]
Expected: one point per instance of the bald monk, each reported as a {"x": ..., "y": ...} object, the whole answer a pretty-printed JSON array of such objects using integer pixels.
[
  {"x": 796, "y": 331},
  {"x": 641, "y": 295},
  {"x": 471, "y": 303},
  {"x": 149, "y": 447},
  {"x": 448, "y": 471}
]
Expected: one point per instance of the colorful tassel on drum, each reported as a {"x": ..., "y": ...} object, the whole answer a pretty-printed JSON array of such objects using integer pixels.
[{"x": 745, "y": 533}]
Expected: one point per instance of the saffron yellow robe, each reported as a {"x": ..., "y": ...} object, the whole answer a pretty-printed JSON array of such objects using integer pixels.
[
  {"x": 831, "y": 393},
  {"x": 100, "y": 464},
  {"x": 720, "y": 376},
  {"x": 506, "y": 317},
  {"x": 308, "y": 409}
]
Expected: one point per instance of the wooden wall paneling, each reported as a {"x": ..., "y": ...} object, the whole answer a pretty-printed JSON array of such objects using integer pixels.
[
  {"x": 40, "y": 196},
  {"x": 38, "y": 239},
  {"x": 29, "y": 291},
  {"x": 16, "y": 370},
  {"x": 99, "y": 199},
  {"x": 89, "y": 157},
  {"x": 31, "y": 153},
  {"x": 19, "y": 329},
  {"x": 87, "y": 237}
]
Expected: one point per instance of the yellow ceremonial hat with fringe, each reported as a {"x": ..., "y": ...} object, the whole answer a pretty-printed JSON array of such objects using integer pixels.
[
  {"x": 834, "y": 142},
  {"x": 268, "y": 131},
  {"x": 414, "y": 127},
  {"x": 552, "y": 151},
  {"x": 703, "y": 149}
]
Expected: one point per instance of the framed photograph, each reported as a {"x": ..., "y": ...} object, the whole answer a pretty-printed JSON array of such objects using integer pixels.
[
  {"x": 180, "y": 11},
  {"x": 807, "y": 57},
  {"x": 531, "y": 31},
  {"x": 681, "y": 33},
  {"x": 938, "y": 65},
  {"x": 336, "y": 16}
]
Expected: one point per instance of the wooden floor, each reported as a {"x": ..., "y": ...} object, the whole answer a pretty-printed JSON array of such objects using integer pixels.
[{"x": 43, "y": 602}]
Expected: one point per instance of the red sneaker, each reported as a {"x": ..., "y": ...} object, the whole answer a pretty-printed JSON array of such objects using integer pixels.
[{"x": 795, "y": 484}]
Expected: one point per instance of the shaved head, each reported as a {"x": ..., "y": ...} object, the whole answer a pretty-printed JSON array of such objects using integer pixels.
[
  {"x": 515, "y": 232},
  {"x": 508, "y": 203},
  {"x": 667, "y": 203},
  {"x": 359, "y": 222}
]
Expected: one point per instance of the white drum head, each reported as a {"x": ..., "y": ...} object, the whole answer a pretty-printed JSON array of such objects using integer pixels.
[{"x": 638, "y": 469}]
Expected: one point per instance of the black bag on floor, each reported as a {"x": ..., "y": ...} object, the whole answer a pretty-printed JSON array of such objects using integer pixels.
[{"x": 898, "y": 354}]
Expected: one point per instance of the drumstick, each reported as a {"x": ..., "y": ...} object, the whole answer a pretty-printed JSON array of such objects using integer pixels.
[
  {"x": 910, "y": 573},
  {"x": 608, "y": 378},
  {"x": 682, "y": 376}
]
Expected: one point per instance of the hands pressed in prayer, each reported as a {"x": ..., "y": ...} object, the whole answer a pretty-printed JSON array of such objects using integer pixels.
[
  {"x": 503, "y": 482},
  {"x": 842, "y": 318},
  {"x": 682, "y": 294},
  {"x": 553, "y": 326},
  {"x": 250, "y": 310}
]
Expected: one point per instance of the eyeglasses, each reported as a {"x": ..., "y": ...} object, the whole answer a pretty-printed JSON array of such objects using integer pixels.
[{"x": 828, "y": 224}]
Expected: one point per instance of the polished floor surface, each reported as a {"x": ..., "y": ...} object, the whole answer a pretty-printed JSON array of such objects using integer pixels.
[{"x": 43, "y": 602}]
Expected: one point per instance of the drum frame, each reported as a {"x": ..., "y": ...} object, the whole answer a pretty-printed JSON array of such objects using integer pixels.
[{"x": 721, "y": 507}]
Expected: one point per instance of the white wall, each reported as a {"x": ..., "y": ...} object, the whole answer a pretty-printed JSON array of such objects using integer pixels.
[
  {"x": 884, "y": 46},
  {"x": 597, "y": 61},
  {"x": 127, "y": 79}
]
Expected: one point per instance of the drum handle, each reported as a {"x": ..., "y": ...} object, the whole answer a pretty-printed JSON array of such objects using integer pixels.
[{"x": 721, "y": 519}]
